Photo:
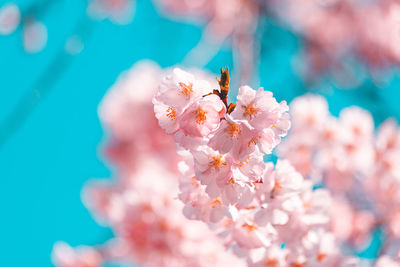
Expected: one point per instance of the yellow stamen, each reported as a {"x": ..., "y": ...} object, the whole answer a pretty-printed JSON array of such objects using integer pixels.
[
  {"x": 215, "y": 203},
  {"x": 320, "y": 256},
  {"x": 250, "y": 111},
  {"x": 217, "y": 162},
  {"x": 250, "y": 227},
  {"x": 233, "y": 130},
  {"x": 270, "y": 262},
  {"x": 200, "y": 116},
  {"x": 186, "y": 89},
  {"x": 252, "y": 141},
  {"x": 195, "y": 182},
  {"x": 277, "y": 185},
  {"x": 171, "y": 113}
]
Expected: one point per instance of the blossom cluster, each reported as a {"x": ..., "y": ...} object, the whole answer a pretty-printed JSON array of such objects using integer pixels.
[
  {"x": 359, "y": 166},
  {"x": 336, "y": 30},
  {"x": 140, "y": 204},
  {"x": 269, "y": 215}
]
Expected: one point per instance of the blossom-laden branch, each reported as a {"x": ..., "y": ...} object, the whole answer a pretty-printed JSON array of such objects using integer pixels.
[{"x": 267, "y": 214}]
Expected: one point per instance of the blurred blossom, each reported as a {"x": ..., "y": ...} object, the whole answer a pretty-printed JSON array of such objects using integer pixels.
[
  {"x": 35, "y": 36},
  {"x": 132, "y": 138},
  {"x": 118, "y": 11},
  {"x": 236, "y": 20},
  {"x": 66, "y": 256},
  {"x": 386, "y": 261},
  {"x": 74, "y": 45},
  {"x": 335, "y": 31},
  {"x": 357, "y": 164},
  {"x": 9, "y": 18}
]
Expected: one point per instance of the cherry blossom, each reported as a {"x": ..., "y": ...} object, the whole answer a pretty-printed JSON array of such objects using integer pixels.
[
  {"x": 35, "y": 36},
  {"x": 10, "y": 17},
  {"x": 66, "y": 256}
]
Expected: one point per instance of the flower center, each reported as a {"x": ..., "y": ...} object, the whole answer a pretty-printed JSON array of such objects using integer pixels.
[
  {"x": 233, "y": 130},
  {"x": 201, "y": 116},
  {"x": 186, "y": 89},
  {"x": 171, "y": 113},
  {"x": 217, "y": 162},
  {"x": 320, "y": 256},
  {"x": 277, "y": 185},
  {"x": 215, "y": 203},
  {"x": 253, "y": 141},
  {"x": 250, "y": 227},
  {"x": 250, "y": 111},
  {"x": 270, "y": 262}
]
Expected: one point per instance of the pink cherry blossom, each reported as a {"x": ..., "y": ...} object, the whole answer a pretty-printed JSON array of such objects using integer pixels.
[
  {"x": 181, "y": 89},
  {"x": 35, "y": 36},
  {"x": 236, "y": 137},
  {"x": 259, "y": 107},
  {"x": 210, "y": 166},
  {"x": 66, "y": 256},
  {"x": 9, "y": 18},
  {"x": 127, "y": 100},
  {"x": 202, "y": 117},
  {"x": 386, "y": 261}
]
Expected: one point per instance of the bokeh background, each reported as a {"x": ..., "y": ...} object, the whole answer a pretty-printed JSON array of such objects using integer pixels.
[{"x": 50, "y": 134}]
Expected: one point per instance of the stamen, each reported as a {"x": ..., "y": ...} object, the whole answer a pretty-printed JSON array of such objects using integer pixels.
[
  {"x": 250, "y": 111},
  {"x": 215, "y": 203},
  {"x": 233, "y": 130},
  {"x": 270, "y": 262},
  {"x": 320, "y": 256},
  {"x": 186, "y": 89},
  {"x": 252, "y": 141},
  {"x": 278, "y": 185},
  {"x": 217, "y": 162},
  {"x": 200, "y": 116},
  {"x": 250, "y": 227},
  {"x": 171, "y": 113}
]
